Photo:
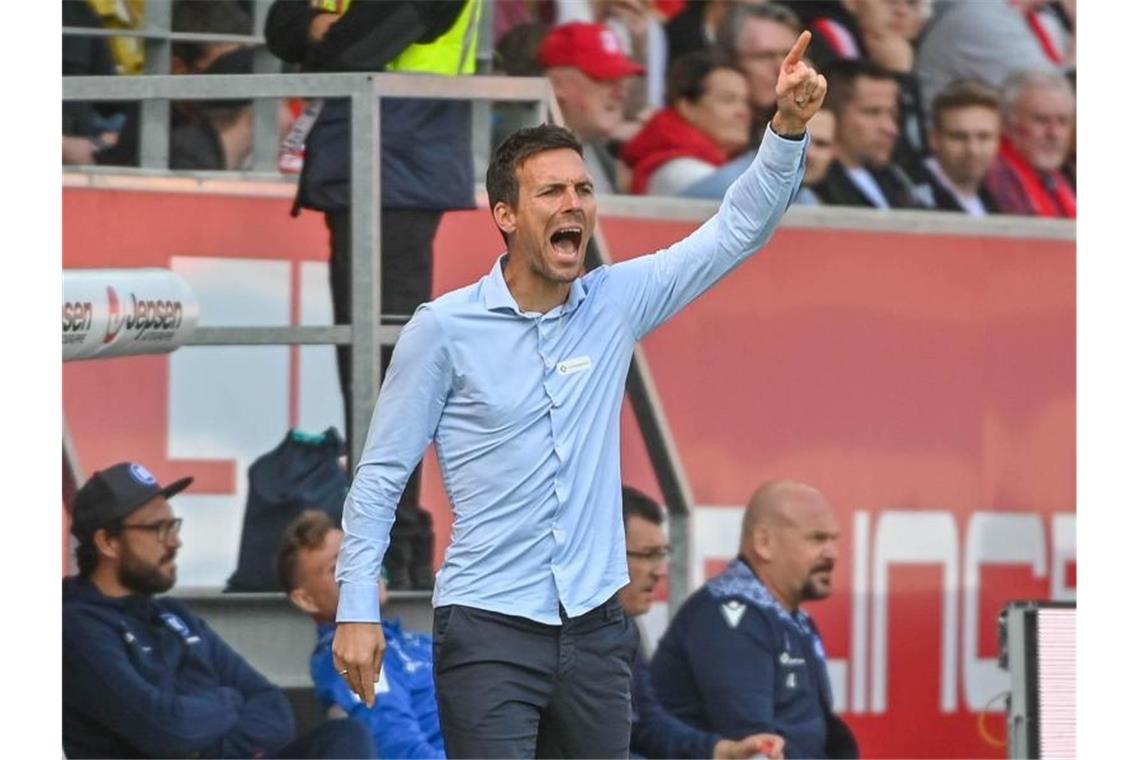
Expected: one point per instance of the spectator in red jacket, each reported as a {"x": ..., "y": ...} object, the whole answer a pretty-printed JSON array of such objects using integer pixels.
[
  {"x": 1038, "y": 113},
  {"x": 706, "y": 123}
]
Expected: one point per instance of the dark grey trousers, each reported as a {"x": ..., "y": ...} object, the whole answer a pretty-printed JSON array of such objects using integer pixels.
[{"x": 510, "y": 687}]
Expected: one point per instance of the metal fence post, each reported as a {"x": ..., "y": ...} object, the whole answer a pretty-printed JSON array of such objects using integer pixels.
[
  {"x": 364, "y": 167},
  {"x": 265, "y": 137},
  {"x": 154, "y": 114}
]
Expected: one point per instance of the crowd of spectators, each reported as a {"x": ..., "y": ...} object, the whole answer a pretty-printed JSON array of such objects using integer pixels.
[
  {"x": 962, "y": 106},
  {"x": 671, "y": 97}
]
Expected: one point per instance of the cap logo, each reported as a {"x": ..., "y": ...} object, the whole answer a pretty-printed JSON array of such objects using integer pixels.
[
  {"x": 142, "y": 475},
  {"x": 610, "y": 42}
]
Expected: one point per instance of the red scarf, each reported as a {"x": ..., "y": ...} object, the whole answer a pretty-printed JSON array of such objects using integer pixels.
[
  {"x": 665, "y": 137},
  {"x": 1060, "y": 201}
]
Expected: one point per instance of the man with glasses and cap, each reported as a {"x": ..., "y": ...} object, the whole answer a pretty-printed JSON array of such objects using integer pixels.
[{"x": 142, "y": 676}]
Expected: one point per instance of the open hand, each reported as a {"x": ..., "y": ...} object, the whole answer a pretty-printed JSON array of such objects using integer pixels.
[{"x": 799, "y": 91}]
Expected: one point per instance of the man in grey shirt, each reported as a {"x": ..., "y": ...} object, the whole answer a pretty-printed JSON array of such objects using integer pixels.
[{"x": 980, "y": 40}]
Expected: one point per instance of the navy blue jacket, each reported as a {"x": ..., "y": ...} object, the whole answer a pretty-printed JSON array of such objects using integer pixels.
[
  {"x": 733, "y": 661},
  {"x": 404, "y": 719},
  {"x": 425, "y": 143},
  {"x": 142, "y": 677},
  {"x": 656, "y": 733}
]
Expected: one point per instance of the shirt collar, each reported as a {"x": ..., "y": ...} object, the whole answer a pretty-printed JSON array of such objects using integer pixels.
[
  {"x": 738, "y": 580},
  {"x": 496, "y": 294}
]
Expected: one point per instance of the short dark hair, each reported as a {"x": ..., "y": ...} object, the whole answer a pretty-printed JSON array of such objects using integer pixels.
[
  {"x": 87, "y": 553},
  {"x": 688, "y": 76},
  {"x": 728, "y": 33},
  {"x": 206, "y": 16},
  {"x": 963, "y": 94},
  {"x": 502, "y": 173},
  {"x": 635, "y": 503},
  {"x": 305, "y": 533},
  {"x": 841, "y": 76}
]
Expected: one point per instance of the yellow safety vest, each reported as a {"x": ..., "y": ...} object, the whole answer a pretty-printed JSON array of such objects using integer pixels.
[
  {"x": 122, "y": 14},
  {"x": 450, "y": 54}
]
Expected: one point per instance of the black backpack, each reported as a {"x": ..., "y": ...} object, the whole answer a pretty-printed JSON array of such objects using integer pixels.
[{"x": 302, "y": 472}]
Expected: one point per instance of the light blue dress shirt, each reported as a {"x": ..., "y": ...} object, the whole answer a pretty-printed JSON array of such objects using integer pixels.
[{"x": 524, "y": 411}]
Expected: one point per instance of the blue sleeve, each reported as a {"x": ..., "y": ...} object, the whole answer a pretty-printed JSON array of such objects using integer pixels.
[
  {"x": 735, "y": 673},
  {"x": 715, "y": 185},
  {"x": 154, "y": 718},
  {"x": 652, "y": 288},
  {"x": 265, "y": 719},
  {"x": 657, "y": 733},
  {"x": 392, "y": 720},
  {"x": 404, "y": 422}
]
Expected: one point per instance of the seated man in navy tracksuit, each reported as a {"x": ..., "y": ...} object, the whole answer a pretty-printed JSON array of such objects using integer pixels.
[
  {"x": 655, "y": 732},
  {"x": 741, "y": 657},
  {"x": 404, "y": 719},
  {"x": 142, "y": 676}
]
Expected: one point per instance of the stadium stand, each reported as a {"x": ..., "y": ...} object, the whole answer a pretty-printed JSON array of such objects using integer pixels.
[{"x": 221, "y": 216}]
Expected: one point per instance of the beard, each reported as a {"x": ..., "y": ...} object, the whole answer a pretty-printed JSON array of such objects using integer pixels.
[
  {"x": 815, "y": 588},
  {"x": 144, "y": 577}
]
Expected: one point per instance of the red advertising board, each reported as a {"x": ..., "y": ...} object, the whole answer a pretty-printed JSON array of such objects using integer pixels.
[{"x": 925, "y": 383}]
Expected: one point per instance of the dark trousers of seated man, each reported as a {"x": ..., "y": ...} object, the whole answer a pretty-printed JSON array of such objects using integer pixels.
[
  {"x": 406, "y": 245},
  {"x": 510, "y": 687}
]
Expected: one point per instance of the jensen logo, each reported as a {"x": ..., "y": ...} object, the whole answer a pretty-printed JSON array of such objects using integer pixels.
[
  {"x": 77, "y": 316},
  {"x": 114, "y": 318},
  {"x": 143, "y": 315}
]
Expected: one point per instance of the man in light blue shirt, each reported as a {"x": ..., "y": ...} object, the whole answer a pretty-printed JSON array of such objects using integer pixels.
[{"x": 519, "y": 380}]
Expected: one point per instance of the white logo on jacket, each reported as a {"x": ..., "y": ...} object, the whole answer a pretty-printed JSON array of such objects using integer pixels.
[{"x": 732, "y": 612}]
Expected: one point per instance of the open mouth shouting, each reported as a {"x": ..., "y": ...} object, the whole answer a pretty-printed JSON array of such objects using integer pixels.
[{"x": 566, "y": 244}]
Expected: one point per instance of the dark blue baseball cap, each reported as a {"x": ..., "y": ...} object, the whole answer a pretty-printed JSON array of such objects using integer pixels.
[{"x": 114, "y": 493}]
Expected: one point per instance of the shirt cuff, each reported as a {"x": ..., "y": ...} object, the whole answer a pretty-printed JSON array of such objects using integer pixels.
[
  {"x": 780, "y": 153},
  {"x": 359, "y": 603}
]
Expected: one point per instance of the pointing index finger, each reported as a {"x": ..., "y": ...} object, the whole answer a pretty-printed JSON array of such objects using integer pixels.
[{"x": 796, "y": 54}]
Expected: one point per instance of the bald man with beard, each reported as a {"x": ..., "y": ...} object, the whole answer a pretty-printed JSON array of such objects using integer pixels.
[{"x": 741, "y": 657}]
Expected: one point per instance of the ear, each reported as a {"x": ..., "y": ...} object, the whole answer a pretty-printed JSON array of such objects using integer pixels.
[
  {"x": 108, "y": 546},
  {"x": 762, "y": 543},
  {"x": 302, "y": 601},
  {"x": 505, "y": 217}
]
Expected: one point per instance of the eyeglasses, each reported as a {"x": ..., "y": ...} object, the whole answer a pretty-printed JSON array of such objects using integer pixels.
[
  {"x": 163, "y": 529},
  {"x": 652, "y": 555}
]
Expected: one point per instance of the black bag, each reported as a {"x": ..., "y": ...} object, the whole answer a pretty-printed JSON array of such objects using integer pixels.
[{"x": 302, "y": 472}]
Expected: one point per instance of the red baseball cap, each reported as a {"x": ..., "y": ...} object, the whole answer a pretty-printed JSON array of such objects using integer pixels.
[{"x": 593, "y": 49}]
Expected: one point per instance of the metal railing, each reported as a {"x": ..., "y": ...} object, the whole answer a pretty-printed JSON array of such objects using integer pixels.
[{"x": 365, "y": 334}]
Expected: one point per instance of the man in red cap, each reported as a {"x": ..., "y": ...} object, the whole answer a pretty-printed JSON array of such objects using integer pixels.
[{"x": 588, "y": 72}]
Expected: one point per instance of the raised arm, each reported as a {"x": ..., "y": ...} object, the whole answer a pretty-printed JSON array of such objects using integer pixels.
[{"x": 651, "y": 289}]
